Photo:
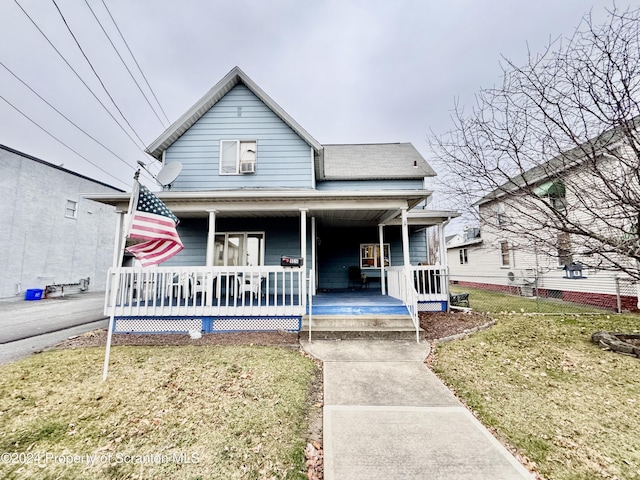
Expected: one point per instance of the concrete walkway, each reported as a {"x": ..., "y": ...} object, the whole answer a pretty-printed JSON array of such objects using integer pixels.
[{"x": 388, "y": 417}]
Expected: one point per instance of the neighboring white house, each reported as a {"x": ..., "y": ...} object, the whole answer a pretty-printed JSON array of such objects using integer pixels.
[
  {"x": 503, "y": 260},
  {"x": 50, "y": 234}
]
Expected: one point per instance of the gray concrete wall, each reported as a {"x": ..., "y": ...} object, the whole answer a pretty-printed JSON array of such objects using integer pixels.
[{"x": 40, "y": 243}]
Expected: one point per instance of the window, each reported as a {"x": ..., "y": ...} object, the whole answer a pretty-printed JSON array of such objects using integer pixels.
[
  {"x": 504, "y": 254},
  {"x": 239, "y": 249},
  {"x": 370, "y": 255},
  {"x": 71, "y": 210},
  {"x": 502, "y": 216},
  {"x": 237, "y": 156},
  {"x": 463, "y": 256},
  {"x": 559, "y": 204},
  {"x": 564, "y": 249}
]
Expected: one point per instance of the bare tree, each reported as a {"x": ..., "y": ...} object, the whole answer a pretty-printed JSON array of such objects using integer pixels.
[{"x": 558, "y": 143}]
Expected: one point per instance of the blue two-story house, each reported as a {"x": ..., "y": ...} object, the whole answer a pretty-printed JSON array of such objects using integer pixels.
[{"x": 275, "y": 224}]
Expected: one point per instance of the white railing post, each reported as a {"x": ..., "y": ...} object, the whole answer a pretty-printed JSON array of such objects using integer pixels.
[{"x": 311, "y": 290}]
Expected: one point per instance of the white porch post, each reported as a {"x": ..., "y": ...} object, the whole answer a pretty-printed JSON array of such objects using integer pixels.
[
  {"x": 119, "y": 247},
  {"x": 303, "y": 253},
  {"x": 405, "y": 238},
  {"x": 443, "y": 247},
  {"x": 314, "y": 261},
  {"x": 211, "y": 239},
  {"x": 303, "y": 235},
  {"x": 383, "y": 287}
]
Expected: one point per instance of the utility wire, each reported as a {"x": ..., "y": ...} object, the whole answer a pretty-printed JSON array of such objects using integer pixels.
[
  {"x": 125, "y": 65},
  {"x": 57, "y": 139},
  {"x": 77, "y": 75},
  {"x": 63, "y": 115},
  {"x": 97, "y": 76},
  {"x": 135, "y": 61}
]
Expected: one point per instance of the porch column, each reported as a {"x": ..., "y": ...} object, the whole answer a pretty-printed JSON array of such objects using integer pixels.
[
  {"x": 118, "y": 249},
  {"x": 443, "y": 247},
  {"x": 303, "y": 235},
  {"x": 211, "y": 239},
  {"x": 405, "y": 238},
  {"x": 383, "y": 287},
  {"x": 314, "y": 261}
]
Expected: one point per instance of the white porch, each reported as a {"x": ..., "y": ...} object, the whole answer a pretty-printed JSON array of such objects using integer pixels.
[{"x": 207, "y": 299}]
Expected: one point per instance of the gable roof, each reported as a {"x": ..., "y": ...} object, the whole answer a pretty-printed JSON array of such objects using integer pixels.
[
  {"x": 605, "y": 143},
  {"x": 219, "y": 90},
  {"x": 374, "y": 161}
]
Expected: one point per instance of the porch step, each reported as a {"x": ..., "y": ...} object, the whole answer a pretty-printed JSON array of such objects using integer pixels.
[{"x": 333, "y": 327}]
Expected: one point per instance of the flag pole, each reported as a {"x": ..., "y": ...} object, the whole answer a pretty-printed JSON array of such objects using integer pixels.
[{"x": 114, "y": 288}]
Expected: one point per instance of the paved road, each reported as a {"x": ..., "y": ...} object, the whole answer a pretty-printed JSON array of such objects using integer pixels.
[{"x": 30, "y": 326}]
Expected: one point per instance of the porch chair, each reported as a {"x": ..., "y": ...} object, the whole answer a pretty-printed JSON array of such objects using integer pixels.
[
  {"x": 252, "y": 283},
  {"x": 356, "y": 279}
]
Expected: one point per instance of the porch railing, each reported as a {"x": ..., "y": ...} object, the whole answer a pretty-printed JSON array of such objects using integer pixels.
[
  {"x": 414, "y": 284},
  {"x": 205, "y": 291},
  {"x": 400, "y": 287}
]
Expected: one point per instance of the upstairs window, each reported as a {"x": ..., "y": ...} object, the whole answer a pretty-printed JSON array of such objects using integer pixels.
[
  {"x": 237, "y": 157},
  {"x": 71, "y": 210},
  {"x": 503, "y": 220}
]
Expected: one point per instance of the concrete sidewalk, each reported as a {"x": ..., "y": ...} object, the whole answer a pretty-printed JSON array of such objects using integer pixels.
[{"x": 388, "y": 417}]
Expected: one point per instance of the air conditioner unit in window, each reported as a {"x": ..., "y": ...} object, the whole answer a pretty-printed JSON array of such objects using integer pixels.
[{"x": 247, "y": 167}]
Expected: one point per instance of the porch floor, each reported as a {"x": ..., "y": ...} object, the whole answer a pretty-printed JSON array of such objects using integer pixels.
[{"x": 356, "y": 302}]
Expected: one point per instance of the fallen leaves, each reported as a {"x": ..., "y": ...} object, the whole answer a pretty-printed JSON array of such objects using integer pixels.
[{"x": 315, "y": 460}]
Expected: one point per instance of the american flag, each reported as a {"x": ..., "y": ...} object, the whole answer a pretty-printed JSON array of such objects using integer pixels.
[{"x": 156, "y": 224}]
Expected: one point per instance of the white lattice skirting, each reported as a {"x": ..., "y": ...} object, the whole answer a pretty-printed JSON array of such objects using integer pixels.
[
  {"x": 432, "y": 306},
  {"x": 256, "y": 324},
  {"x": 206, "y": 324},
  {"x": 157, "y": 325}
]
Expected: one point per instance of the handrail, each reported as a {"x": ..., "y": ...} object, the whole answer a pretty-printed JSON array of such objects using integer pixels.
[
  {"x": 311, "y": 293},
  {"x": 401, "y": 286}
]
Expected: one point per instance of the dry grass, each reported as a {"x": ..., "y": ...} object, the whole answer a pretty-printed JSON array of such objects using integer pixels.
[
  {"x": 569, "y": 406},
  {"x": 223, "y": 412}
]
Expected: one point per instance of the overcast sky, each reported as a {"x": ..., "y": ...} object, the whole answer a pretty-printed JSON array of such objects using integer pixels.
[{"x": 348, "y": 71}]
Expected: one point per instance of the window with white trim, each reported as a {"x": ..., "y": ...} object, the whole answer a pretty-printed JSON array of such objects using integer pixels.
[
  {"x": 464, "y": 258},
  {"x": 370, "y": 255},
  {"x": 237, "y": 157},
  {"x": 564, "y": 249},
  {"x": 504, "y": 254},
  {"x": 71, "y": 209},
  {"x": 239, "y": 249}
]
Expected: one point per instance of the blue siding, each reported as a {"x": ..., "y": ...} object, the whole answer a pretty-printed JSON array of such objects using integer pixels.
[
  {"x": 283, "y": 159},
  {"x": 350, "y": 185},
  {"x": 282, "y": 237},
  {"x": 340, "y": 248},
  {"x": 193, "y": 233}
]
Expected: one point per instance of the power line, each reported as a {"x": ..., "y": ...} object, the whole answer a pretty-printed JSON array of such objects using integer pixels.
[
  {"x": 135, "y": 61},
  {"x": 57, "y": 139},
  {"x": 63, "y": 115},
  {"x": 77, "y": 75},
  {"x": 96, "y": 74},
  {"x": 125, "y": 65}
]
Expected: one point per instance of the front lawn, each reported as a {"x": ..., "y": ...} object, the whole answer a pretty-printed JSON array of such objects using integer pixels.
[
  {"x": 216, "y": 412},
  {"x": 569, "y": 406}
]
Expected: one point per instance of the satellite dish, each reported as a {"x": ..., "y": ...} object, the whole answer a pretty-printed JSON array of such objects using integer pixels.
[{"x": 169, "y": 173}]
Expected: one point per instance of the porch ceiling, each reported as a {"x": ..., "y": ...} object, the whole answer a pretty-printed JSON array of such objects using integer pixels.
[{"x": 334, "y": 208}]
